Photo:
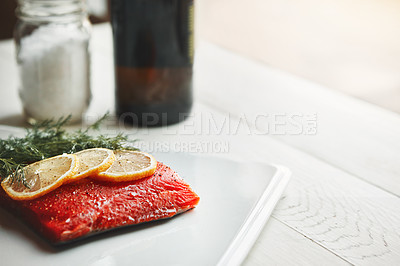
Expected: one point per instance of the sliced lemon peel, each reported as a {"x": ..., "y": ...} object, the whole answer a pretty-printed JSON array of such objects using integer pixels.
[
  {"x": 92, "y": 162},
  {"x": 128, "y": 166},
  {"x": 42, "y": 176},
  {"x": 102, "y": 164}
]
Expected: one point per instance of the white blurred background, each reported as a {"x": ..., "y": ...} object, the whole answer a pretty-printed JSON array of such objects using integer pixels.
[{"x": 350, "y": 46}]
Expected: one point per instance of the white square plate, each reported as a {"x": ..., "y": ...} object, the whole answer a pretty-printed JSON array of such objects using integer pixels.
[{"x": 236, "y": 200}]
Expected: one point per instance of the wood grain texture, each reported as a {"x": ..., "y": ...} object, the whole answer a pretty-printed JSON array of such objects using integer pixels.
[
  {"x": 355, "y": 221},
  {"x": 280, "y": 245}
]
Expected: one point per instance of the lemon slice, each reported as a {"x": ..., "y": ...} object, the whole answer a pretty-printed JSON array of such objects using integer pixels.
[
  {"x": 128, "y": 166},
  {"x": 92, "y": 162},
  {"x": 42, "y": 177}
]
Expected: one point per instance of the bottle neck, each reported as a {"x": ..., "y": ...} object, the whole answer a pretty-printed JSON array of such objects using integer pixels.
[{"x": 59, "y": 11}]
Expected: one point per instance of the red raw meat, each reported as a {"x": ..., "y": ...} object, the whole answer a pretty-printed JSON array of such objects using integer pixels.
[{"x": 88, "y": 206}]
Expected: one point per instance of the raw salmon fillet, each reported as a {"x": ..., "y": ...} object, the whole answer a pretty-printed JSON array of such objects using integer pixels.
[{"x": 88, "y": 206}]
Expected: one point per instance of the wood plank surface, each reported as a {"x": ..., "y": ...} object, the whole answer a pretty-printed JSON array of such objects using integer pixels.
[
  {"x": 355, "y": 136},
  {"x": 278, "y": 245},
  {"x": 345, "y": 215}
]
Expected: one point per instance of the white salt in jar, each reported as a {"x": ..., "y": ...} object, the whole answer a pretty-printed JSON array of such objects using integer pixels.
[{"x": 52, "y": 39}]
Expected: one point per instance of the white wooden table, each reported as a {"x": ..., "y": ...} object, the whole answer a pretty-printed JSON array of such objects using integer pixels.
[{"x": 342, "y": 205}]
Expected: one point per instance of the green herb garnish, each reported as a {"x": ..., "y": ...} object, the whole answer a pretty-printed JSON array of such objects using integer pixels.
[{"x": 48, "y": 139}]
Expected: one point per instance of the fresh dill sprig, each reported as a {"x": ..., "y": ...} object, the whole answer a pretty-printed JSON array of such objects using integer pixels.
[{"x": 47, "y": 139}]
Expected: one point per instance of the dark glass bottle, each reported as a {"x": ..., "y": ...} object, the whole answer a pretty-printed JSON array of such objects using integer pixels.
[{"x": 153, "y": 49}]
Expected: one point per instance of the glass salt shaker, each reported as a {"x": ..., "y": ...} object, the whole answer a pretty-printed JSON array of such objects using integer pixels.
[{"x": 52, "y": 39}]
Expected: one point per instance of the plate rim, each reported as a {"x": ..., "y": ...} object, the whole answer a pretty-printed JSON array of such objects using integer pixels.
[{"x": 258, "y": 217}]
